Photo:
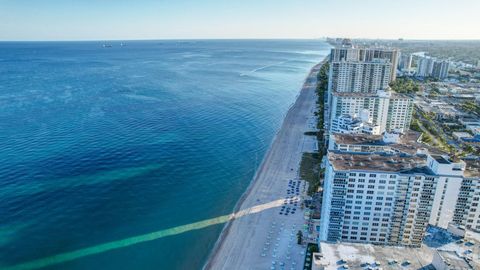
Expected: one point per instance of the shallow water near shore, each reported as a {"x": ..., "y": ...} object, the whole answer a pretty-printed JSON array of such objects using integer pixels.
[{"x": 131, "y": 156}]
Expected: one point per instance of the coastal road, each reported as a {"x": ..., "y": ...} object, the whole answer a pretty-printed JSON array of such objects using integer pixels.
[{"x": 243, "y": 240}]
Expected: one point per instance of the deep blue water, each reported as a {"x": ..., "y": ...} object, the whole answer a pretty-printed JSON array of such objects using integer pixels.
[{"x": 101, "y": 144}]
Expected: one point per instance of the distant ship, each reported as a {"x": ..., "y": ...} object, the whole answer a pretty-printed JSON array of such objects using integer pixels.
[
  {"x": 105, "y": 45},
  {"x": 122, "y": 44}
]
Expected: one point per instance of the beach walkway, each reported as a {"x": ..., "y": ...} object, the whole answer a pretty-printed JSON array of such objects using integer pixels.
[{"x": 265, "y": 238}]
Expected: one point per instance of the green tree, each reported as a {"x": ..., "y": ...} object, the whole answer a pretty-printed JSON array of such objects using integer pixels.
[
  {"x": 299, "y": 237},
  {"x": 405, "y": 85}
]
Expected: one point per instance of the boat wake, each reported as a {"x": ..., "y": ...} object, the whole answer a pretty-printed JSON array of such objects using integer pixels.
[{"x": 262, "y": 68}]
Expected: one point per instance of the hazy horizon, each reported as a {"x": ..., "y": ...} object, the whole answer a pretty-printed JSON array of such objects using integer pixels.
[
  {"x": 72, "y": 20},
  {"x": 240, "y": 39}
]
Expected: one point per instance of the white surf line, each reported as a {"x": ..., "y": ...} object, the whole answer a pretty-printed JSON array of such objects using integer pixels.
[
  {"x": 264, "y": 67},
  {"x": 80, "y": 253}
]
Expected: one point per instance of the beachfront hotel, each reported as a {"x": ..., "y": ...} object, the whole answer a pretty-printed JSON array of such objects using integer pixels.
[
  {"x": 347, "y": 52},
  {"x": 382, "y": 185},
  {"x": 386, "y": 189},
  {"x": 457, "y": 192},
  {"x": 390, "y": 111},
  {"x": 359, "y": 83},
  {"x": 367, "y": 199},
  {"x": 362, "y": 77}
]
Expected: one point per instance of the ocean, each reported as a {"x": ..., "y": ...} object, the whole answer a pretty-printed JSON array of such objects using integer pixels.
[{"x": 129, "y": 156}]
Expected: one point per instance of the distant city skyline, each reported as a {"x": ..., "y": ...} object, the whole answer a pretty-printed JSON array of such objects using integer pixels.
[{"x": 216, "y": 19}]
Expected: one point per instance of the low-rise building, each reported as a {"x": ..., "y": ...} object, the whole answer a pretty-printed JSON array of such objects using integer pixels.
[
  {"x": 461, "y": 135},
  {"x": 388, "y": 143},
  {"x": 359, "y": 256},
  {"x": 348, "y": 124},
  {"x": 449, "y": 260}
]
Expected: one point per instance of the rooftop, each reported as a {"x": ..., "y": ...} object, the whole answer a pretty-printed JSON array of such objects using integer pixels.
[
  {"x": 357, "y": 256},
  {"x": 441, "y": 159},
  {"x": 362, "y": 256},
  {"x": 454, "y": 261},
  {"x": 463, "y": 252},
  {"x": 407, "y": 143},
  {"x": 376, "y": 162},
  {"x": 354, "y": 94},
  {"x": 462, "y": 134},
  {"x": 399, "y": 95},
  {"x": 386, "y": 93},
  {"x": 409, "y": 138},
  {"x": 472, "y": 168}
]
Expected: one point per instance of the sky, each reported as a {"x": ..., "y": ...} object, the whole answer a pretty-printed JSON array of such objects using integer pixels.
[{"x": 226, "y": 19}]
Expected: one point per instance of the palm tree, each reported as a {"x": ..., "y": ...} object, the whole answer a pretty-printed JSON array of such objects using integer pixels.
[{"x": 299, "y": 237}]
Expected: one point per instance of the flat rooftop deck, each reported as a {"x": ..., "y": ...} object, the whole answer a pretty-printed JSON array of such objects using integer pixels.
[
  {"x": 357, "y": 256},
  {"x": 363, "y": 256},
  {"x": 374, "y": 162}
]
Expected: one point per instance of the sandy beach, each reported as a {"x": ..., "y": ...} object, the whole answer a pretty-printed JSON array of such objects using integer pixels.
[{"x": 261, "y": 235}]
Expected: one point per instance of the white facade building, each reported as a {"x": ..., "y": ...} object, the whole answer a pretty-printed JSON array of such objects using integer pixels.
[
  {"x": 375, "y": 199},
  {"x": 389, "y": 111},
  {"x": 400, "y": 112},
  {"x": 467, "y": 208},
  {"x": 387, "y": 143},
  {"x": 359, "y": 77},
  {"x": 390, "y": 199},
  {"x": 441, "y": 69},
  {"x": 386, "y": 189},
  {"x": 405, "y": 62},
  {"x": 425, "y": 66},
  {"x": 352, "y": 54},
  {"x": 431, "y": 67},
  {"x": 355, "y": 103},
  {"x": 448, "y": 188},
  {"x": 347, "y": 124}
]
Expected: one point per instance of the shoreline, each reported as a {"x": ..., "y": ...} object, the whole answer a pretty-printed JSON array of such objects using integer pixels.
[{"x": 215, "y": 260}]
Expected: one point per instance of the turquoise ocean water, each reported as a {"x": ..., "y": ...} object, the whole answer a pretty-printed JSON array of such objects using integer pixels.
[{"x": 106, "y": 151}]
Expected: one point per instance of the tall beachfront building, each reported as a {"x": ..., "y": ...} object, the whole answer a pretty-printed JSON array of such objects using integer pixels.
[
  {"x": 355, "y": 104},
  {"x": 360, "y": 77},
  {"x": 359, "y": 81},
  {"x": 381, "y": 184},
  {"x": 376, "y": 199},
  {"x": 390, "y": 111},
  {"x": 350, "y": 53},
  {"x": 387, "y": 189}
]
